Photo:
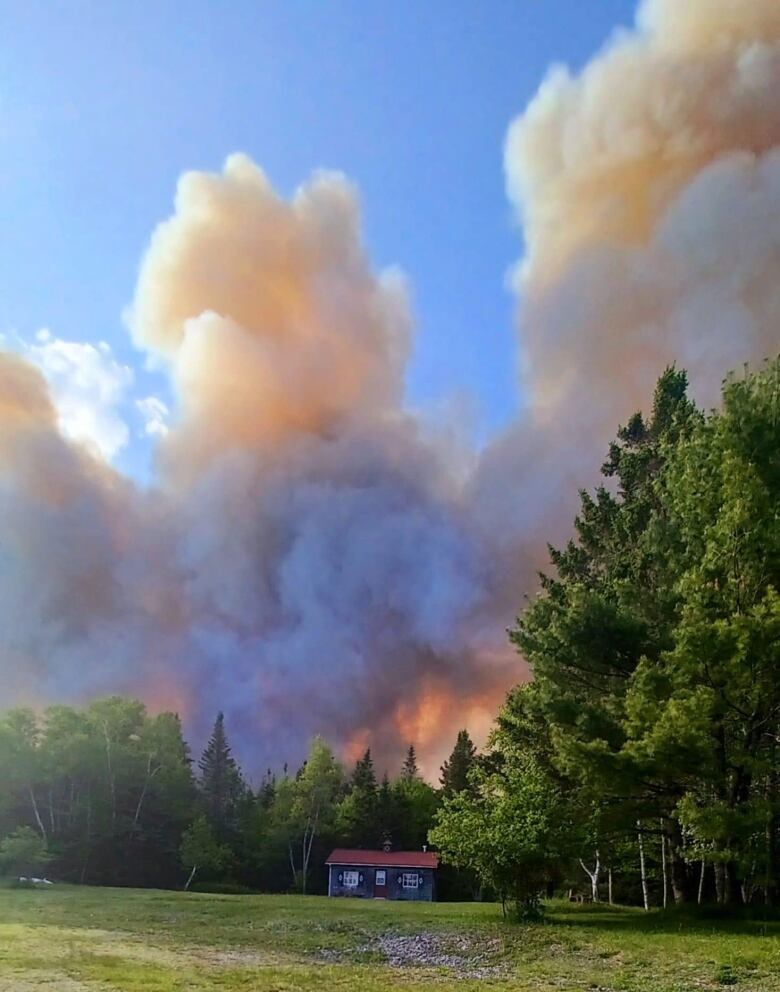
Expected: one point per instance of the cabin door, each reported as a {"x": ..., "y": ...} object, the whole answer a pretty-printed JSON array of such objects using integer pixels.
[{"x": 380, "y": 883}]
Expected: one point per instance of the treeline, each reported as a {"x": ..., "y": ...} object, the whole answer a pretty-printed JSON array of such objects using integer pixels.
[
  {"x": 644, "y": 758},
  {"x": 110, "y": 795}
]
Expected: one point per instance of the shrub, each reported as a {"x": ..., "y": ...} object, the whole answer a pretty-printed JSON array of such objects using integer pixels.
[{"x": 23, "y": 853}]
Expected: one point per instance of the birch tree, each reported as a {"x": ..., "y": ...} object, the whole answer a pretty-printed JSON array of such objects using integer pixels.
[{"x": 311, "y": 805}]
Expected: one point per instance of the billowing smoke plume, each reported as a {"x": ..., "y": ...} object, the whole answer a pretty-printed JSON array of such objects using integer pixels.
[
  {"x": 649, "y": 189},
  {"x": 649, "y": 192},
  {"x": 307, "y": 559},
  {"x": 314, "y": 558}
]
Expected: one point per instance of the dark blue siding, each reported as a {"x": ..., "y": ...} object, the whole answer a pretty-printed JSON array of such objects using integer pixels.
[
  {"x": 365, "y": 887},
  {"x": 424, "y": 891}
]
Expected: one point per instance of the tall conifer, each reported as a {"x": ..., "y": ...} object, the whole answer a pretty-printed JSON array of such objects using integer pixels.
[
  {"x": 221, "y": 782},
  {"x": 455, "y": 771}
]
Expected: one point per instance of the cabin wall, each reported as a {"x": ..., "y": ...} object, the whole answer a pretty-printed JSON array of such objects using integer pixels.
[
  {"x": 364, "y": 888},
  {"x": 424, "y": 891}
]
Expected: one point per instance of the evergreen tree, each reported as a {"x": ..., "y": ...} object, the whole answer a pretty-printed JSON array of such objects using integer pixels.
[
  {"x": 267, "y": 790},
  {"x": 363, "y": 775},
  {"x": 386, "y": 813},
  {"x": 221, "y": 783},
  {"x": 608, "y": 615},
  {"x": 415, "y": 802},
  {"x": 455, "y": 771},
  {"x": 409, "y": 770},
  {"x": 654, "y": 647},
  {"x": 357, "y": 813}
]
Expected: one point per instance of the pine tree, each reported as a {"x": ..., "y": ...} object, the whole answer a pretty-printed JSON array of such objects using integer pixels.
[
  {"x": 363, "y": 775},
  {"x": 386, "y": 812},
  {"x": 415, "y": 802},
  {"x": 221, "y": 783},
  {"x": 267, "y": 790},
  {"x": 358, "y": 809},
  {"x": 455, "y": 771},
  {"x": 409, "y": 770}
]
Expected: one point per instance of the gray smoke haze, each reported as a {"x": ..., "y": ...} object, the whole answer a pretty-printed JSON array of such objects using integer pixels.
[{"x": 314, "y": 558}]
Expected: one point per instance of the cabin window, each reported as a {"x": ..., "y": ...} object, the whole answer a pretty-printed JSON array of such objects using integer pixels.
[
  {"x": 381, "y": 876},
  {"x": 351, "y": 879},
  {"x": 410, "y": 880}
]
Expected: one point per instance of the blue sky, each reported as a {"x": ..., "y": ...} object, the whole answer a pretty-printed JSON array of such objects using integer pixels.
[{"x": 104, "y": 104}]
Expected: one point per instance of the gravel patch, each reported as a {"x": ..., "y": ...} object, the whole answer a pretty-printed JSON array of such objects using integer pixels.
[{"x": 460, "y": 955}]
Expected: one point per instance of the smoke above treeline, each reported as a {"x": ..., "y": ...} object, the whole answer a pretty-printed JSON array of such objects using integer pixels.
[{"x": 312, "y": 557}]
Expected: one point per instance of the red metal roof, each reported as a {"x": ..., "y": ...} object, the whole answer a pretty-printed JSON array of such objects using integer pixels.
[{"x": 384, "y": 859}]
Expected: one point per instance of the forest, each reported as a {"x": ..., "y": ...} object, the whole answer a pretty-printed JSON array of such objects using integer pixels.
[
  {"x": 109, "y": 795},
  {"x": 640, "y": 764}
]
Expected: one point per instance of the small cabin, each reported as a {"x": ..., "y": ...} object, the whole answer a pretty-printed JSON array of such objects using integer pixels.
[{"x": 384, "y": 874}]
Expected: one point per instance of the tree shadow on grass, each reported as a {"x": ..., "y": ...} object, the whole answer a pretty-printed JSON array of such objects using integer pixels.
[{"x": 752, "y": 921}]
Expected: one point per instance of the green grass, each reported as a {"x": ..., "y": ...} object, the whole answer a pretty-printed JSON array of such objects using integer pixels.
[{"x": 69, "y": 939}]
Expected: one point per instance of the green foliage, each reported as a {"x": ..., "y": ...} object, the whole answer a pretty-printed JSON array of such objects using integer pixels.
[
  {"x": 415, "y": 804},
  {"x": 109, "y": 792},
  {"x": 304, "y": 812},
  {"x": 724, "y": 975},
  {"x": 201, "y": 851},
  {"x": 23, "y": 853},
  {"x": 456, "y": 770},
  {"x": 388, "y": 813},
  {"x": 654, "y": 647},
  {"x": 655, "y": 706},
  {"x": 107, "y": 787},
  {"x": 221, "y": 784},
  {"x": 409, "y": 771},
  {"x": 508, "y": 827},
  {"x": 357, "y": 814}
]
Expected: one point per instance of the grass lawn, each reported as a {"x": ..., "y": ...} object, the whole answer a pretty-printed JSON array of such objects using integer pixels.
[{"x": 69, "y": 939}]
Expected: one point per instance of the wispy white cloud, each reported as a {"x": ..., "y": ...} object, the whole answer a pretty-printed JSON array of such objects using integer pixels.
[
  {"x": 88, "y": 387},
  {"x": 155, "y": 414}
]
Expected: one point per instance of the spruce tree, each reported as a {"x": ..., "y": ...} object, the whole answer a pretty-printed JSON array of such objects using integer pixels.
[
  {"x": 409, "y": 770},
  {"x": 358, "y": 809},
  {"x": 267, "y": 790},
  {"x": 386, "y": 812},
  {"x": 221, "y": 783},
  {"x": 415, "y": 802},
  {"x": 455, "y": 771},
  {"x": 363, "y": 775}
]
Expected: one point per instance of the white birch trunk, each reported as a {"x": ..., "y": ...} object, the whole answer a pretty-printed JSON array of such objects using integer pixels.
[
  {"x": 663, "y": 864},
  {"x": 149, "y": 776},
  {"x": 642, "y": 870},
  {"x": 37, "y": 815},
  {"x": 593, "y": 876}
]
